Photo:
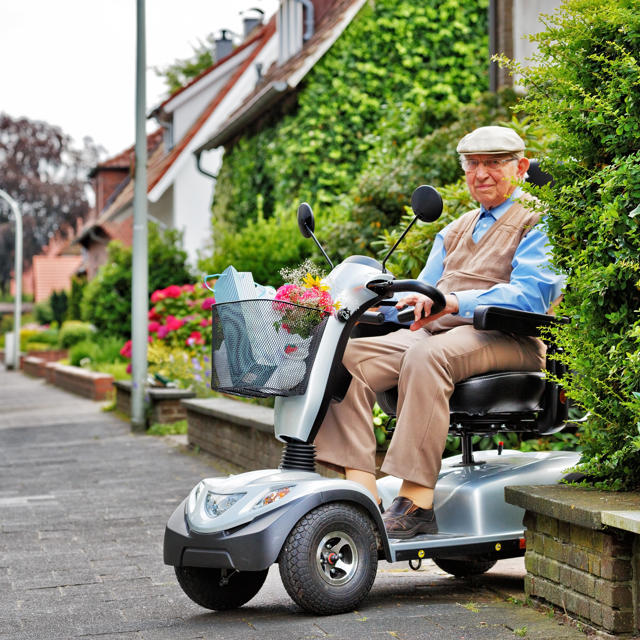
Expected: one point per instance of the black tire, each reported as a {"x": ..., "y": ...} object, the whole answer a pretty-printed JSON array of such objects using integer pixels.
[
  {"x": 220, "y": 589},
  {"x": 328, "y": 562},
  {"x": 465, "y": 566}
]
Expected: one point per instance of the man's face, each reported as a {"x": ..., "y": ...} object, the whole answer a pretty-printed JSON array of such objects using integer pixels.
[{"x": 492, "y": 185}]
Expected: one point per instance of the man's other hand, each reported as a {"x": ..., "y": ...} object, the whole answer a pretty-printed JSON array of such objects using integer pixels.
[{"x": 422, "y": 307}]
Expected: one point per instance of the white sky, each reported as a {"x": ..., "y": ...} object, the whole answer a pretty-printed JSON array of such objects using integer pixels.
[{"x": 72, "y": 62}]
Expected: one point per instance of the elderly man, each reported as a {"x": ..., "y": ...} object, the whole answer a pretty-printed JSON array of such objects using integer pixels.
[{"x": 494, "y": 255}]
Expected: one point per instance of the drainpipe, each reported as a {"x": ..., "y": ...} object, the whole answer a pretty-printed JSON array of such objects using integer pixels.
[
  {"x": 202, "y": 170},
  {"x": 493, "y": 45},
  {"x": 17, "y": 269},
  {"x": 309, "y": 20}
]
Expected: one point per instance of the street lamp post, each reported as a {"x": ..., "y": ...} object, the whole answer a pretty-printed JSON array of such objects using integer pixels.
[
  {"x": 140, "y": 261},
  {"x": 17, "y": 306}
]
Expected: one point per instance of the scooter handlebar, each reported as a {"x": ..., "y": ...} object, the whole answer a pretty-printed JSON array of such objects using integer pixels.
[{"x": 386, "y": 288}]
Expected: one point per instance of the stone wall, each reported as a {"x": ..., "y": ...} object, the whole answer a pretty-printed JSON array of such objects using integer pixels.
[
  {"x": 237, "y": 432},
  {"x": 577, "y": 563},
  {"x": 164, "y": 403}
]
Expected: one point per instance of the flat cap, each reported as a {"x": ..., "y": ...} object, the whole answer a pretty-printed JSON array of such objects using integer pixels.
[{"x": 491, "y": 140}]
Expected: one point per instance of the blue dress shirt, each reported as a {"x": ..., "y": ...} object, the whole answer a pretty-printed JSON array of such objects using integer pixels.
[{"x": 533, "y": 286}]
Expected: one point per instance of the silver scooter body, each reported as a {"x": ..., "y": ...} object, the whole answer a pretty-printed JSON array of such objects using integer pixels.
[{"x": 241, "y": 523}]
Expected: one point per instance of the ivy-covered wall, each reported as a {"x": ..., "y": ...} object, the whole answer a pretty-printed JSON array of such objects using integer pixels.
[{"x": 400, "y": 70}]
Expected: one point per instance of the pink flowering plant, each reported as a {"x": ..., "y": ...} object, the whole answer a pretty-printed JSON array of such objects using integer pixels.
[
  {"x": 305, "y": 287},
  {"x": 179, "y": 321}
]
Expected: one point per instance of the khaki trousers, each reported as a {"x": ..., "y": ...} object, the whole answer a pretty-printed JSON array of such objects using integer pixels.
[{"x": 425, "y": 367}]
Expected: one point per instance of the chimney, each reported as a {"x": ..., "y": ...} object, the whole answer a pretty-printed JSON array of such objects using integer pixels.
[
  {"x": 291, "y": 34},
  {"x": 251, "y": 22},
  {"x": 223, "y": 46}
]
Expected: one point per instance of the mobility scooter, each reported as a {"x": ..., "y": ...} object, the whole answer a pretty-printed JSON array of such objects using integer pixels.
[{"x": 327, "y": 535}]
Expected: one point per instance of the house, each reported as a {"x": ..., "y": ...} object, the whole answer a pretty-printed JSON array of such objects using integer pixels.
[
  {"x": 113, "y": 187},
  {"x": 52, "y": 269},
  {"x": 179, "y": 186},
  {"x": 300, "y": 47},
  {"x": 510, "y": 21},
  {"x": 305, "y": 32}
]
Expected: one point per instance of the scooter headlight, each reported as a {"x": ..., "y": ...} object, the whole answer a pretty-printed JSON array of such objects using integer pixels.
[
  {"x": 272, "y": 496},
  {"x": 216, "y": 504}
]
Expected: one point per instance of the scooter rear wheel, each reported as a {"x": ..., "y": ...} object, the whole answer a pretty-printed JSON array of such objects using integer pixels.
[
  {"x": 329, "y": 560},
  {"x": 464, "y": 567},
  {"x": 220, "y": 589}
]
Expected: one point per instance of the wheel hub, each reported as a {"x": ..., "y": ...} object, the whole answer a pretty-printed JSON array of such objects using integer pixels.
[{"x": 337, "y": 558}]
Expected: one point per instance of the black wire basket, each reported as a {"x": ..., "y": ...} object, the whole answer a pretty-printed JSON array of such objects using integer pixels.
[{"x": 264, "y": 348}]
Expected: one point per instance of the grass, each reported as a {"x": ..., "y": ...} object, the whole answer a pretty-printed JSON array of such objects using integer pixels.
[
  {"x": 117, "y": 369},
  {"x": 168, "y": 429}
]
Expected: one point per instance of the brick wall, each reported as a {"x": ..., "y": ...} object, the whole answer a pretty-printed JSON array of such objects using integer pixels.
[
  {"x": 588, "y": 573},
  {"x": 583, "y": 554},
  {"x": 244, "y": 446},
  {"x": 237, "y": 432},
  {"x": 83, "y": 382},
  {"x": 33, "y": 366}
]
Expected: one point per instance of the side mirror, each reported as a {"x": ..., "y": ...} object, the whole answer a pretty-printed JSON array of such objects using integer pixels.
[
  {"x": 306, "y": 222},
  {"x": 426, "y": 203}
]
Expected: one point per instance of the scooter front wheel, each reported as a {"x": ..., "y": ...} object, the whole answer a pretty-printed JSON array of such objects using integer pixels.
[
  {"x": 329, "y": 560},
  {"x": 220, "y": 589}
]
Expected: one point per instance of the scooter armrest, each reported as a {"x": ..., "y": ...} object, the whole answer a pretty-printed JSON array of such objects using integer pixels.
[{"x": 523, "y": 323}]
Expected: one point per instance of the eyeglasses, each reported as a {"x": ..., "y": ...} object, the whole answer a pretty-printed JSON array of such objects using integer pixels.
[{"x": 493, "y": 164}]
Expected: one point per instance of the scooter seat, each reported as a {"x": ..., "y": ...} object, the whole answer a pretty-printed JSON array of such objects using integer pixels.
[{"x": 492, "y": 393}]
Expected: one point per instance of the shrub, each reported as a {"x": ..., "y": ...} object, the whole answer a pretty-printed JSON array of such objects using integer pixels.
[
  {"x": 75, "y": 298},
  {"x": 37, "y": 346},
  {"x": 583, "y": 86},
  {"x": 26, "y": 336},
  {"x": 73, "y": 332},
  {"x": 83, "y": 352},
  {"x": 262, "y": 246},
  {"x": 96, "y": 351},
  {"x": 59, "y": 304},
  {"x": 49, "y": 337},
  {"x": 43, "y": 313},
  {"x": 106, "y": 301}
]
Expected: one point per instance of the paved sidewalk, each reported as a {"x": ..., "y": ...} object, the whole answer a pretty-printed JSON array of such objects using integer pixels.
[{"x": 83, "y": 505}]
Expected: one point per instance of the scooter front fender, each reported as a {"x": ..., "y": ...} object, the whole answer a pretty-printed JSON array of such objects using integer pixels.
[{"x": 254, "y": 546}]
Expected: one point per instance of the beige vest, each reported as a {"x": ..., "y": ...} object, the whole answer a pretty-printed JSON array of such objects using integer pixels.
[{"x": 481, "y": 265}]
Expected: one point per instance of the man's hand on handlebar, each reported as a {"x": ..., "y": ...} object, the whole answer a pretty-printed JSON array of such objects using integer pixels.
[{"x": 422, "y": 308}]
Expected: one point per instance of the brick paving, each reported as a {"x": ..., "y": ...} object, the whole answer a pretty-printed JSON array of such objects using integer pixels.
[{"x": 83, "y": 505}]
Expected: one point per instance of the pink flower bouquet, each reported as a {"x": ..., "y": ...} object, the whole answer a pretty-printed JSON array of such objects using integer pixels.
[{"x": 308, "y": 291}]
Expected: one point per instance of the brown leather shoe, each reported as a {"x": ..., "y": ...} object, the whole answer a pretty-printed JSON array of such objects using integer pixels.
[{"x": 403, "y": 519}]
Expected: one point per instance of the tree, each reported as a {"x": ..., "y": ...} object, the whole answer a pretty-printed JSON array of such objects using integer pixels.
[
  {"x": 583, "y": 86},
  {"x": 59, "y": 304},
  {"x": 47, "y": 177},
  {"x": 181, "y": 71}
]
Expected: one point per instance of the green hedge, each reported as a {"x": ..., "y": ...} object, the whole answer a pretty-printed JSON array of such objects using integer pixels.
[{"x": 584, "y": 88}]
